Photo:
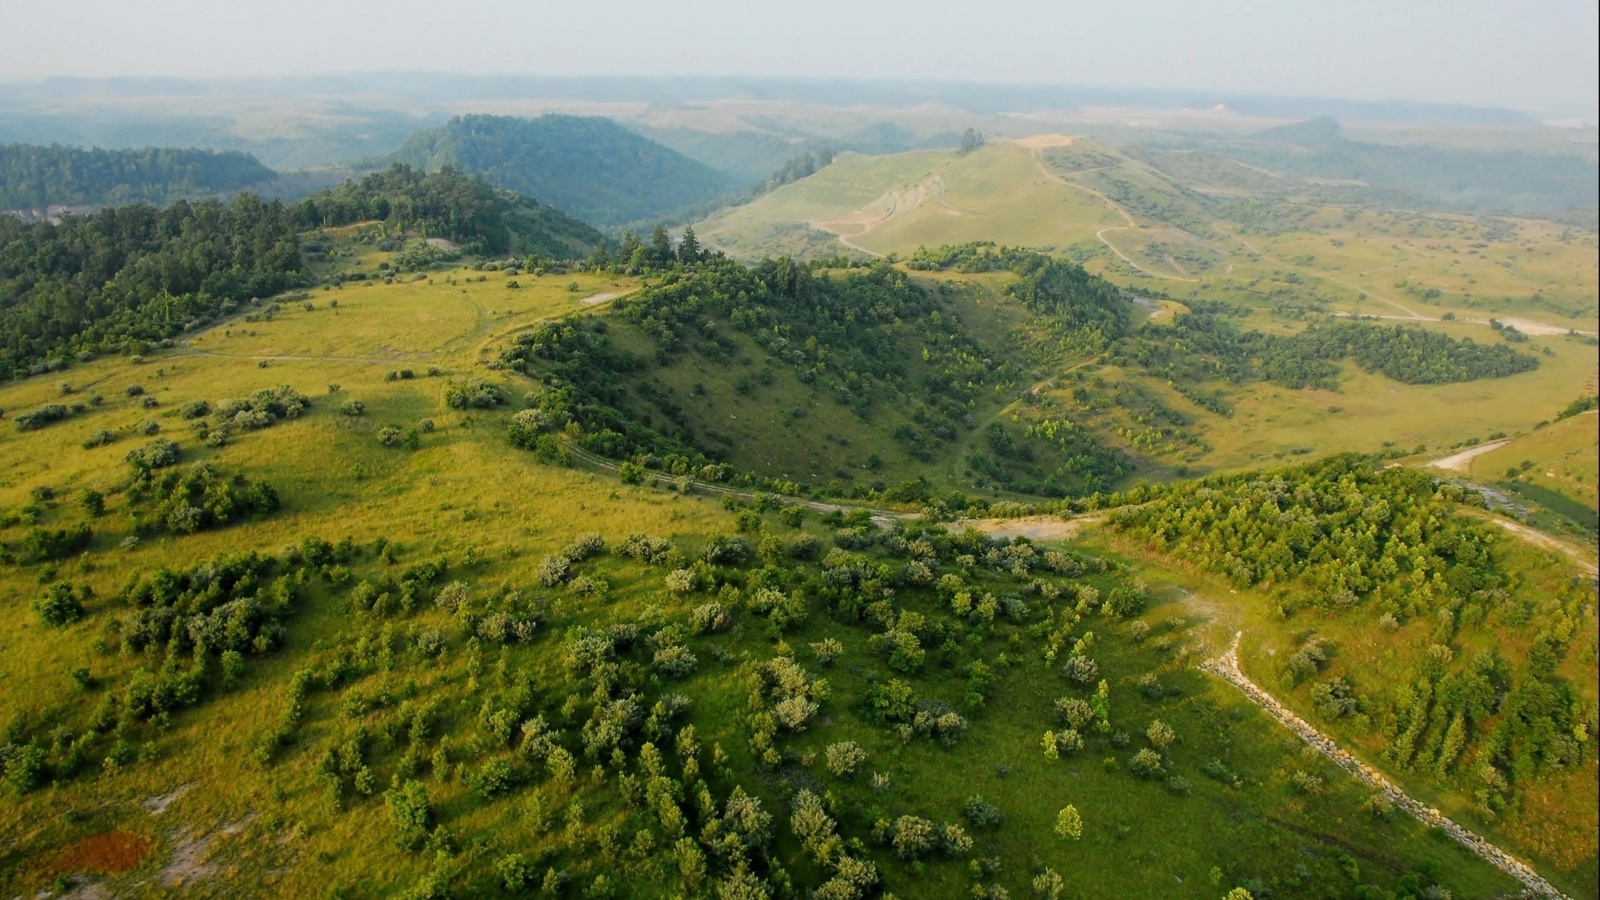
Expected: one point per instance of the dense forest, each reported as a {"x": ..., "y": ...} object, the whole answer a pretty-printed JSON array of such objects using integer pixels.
[
  {"x": 1376, "y": 548},
  {"x": 590, "y": 167},
  {"x": 137, "y": 274},
  {"x": 33, "y": 177}
]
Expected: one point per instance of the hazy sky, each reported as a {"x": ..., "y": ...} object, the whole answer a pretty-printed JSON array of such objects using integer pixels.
[{"x": 1533, "y": 54}]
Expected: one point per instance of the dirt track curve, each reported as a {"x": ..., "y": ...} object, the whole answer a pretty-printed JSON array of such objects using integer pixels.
[{"x": 1227, "y": 668}]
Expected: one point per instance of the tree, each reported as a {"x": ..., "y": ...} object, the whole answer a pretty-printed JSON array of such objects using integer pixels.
[
  {"x": 410, "y": 813},
  {"x": 689, "y": 246},
  {"x": 660, "y": 246},
  {"x": 971, "y": 139},
  {"x": 1069, "y": 824}
]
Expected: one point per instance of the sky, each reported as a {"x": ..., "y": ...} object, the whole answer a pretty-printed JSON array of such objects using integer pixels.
[{"x": 1536, "y": 55}]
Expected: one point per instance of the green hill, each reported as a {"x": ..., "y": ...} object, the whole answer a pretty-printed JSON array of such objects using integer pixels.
[
  {"x": 33, "y": 177},
  {"x": 591, "y": 167},
  {"x": 323, "y": 597},
  {"x": 131, "y": 275}
]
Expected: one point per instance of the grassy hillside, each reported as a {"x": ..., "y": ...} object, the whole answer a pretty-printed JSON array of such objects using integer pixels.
[
  {"x": 591, "y": 167},
  {"x": 1553, "y": 468},
  {"x": 1186, "y": 224},
  {"x": 431, "y": 702}
]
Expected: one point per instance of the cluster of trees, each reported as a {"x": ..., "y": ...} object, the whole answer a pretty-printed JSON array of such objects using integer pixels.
[
  {"x": 1202, "y": 345},
  {"x": 1352, "y": 538},
  {"x": 34, "y": 177},
  {"x": 198, "y": 498},
  {"x": 135, "y": 274},
  {"x": 1085, "y": 309}
]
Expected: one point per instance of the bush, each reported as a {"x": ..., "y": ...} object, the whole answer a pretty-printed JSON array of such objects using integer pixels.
[
  {"x": 981, "y": 813},
  {"x": 474, "y": 394},
  {"x": 410, "y": 813},
  {"x": 390, "y": 436},
  {"x": 158, "y": 454},
  {"x": 584, "y": 546},
  {"x": 98, "y": 439},
  {"x": 554, "y": 571},
  {"x": 195, "y": 409},
  {"x": 674, "y": 662},
  {"x": 708, "y": 618},
  {"x": 1146, "y": 763},
  {"x": 353, "y": 408},
  {"x": 61, "y": 604},
  {"x": 844, "y": 758}
]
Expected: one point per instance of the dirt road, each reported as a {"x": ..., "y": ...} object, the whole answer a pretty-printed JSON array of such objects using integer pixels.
[
  {"x": 1457, "y": 462},
  {"x": 1227, "y": 668}
]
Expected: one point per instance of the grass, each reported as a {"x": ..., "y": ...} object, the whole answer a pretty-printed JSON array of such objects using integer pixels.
[{"x": 1554, "y": 467}]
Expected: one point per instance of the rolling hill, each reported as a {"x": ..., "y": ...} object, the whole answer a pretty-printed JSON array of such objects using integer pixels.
[
  {"x": 591, "y": 167},
  {"x": 33, "y": 177}
]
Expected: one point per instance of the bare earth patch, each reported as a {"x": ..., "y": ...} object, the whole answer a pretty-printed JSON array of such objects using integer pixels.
[
  {"x": 596, "y": 299},
  {"x": 103, "y": 854},
  {"x": 1037, "y": 528},
  {"x": 1457, "y": 462}
]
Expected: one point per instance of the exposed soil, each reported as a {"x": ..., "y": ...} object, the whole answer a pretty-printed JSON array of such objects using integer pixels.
[
  {"x": 1457, "y": 462},
  {"x": 103, "y": 854}
]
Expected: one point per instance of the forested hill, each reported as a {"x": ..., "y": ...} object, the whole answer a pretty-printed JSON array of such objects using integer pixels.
[
  {"x": 449, "y": 204},
  {"x": 33, "y": 177},
  {"x": 591, "y": 167},
  {"x": 136, "y": 273}
]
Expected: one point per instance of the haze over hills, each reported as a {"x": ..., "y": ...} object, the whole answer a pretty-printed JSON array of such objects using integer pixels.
[
  {"x": 762, "y": 488},
  {"x": 34, "y": 177},
  {"x": 591, "y": 167}
]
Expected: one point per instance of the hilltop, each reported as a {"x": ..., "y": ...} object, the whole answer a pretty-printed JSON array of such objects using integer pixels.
[
  {"x": 591, "y": 167},
  {"x": 33, "y": 177}
]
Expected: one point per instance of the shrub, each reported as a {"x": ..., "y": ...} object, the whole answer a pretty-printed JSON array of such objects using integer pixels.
[
  {"x": 410, "y": 813},
  {"x": 584, "y": 546},
  {"x": 474, "y": 394},
  {"x": 981, "y": 813},
  {"x": 158, "y": 454},
  {"x": 554, "y": 571},
  {"x": 1069, "y": 824},
  {"x": 1082, "y": 669},
  {"x": 675, "y": 661},
  {"x": 1146, "y": 763},
  {"x": 844, "y": 758},
  {"x": 61, "y": 603},
  {"x": 195, "y": 409},
  {"x": 98, "y": 439},
  {"x": 353, "y": 408},
  {"x": 709, "y": 618},
  {"x": 680, "y": 581},
  {"x": 390, "y": 436}
]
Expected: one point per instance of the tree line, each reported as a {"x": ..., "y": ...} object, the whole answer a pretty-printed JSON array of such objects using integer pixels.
[{"x": 33, "y": 176}]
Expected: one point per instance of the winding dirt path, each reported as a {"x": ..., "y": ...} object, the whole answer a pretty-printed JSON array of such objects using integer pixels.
[
  {"x": 1227, "y": 668},
  {"x": 1457, "y": 462},
  {"x": 1058, "y": 178}
]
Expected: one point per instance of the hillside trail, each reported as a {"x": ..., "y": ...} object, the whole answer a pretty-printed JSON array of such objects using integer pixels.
[
  {"x": 1227, "y": 668},
  {"x": 1539, "y": 538},
  {"x": 1058, "y": 178},
  {"x": 1457, "y": 462}
]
